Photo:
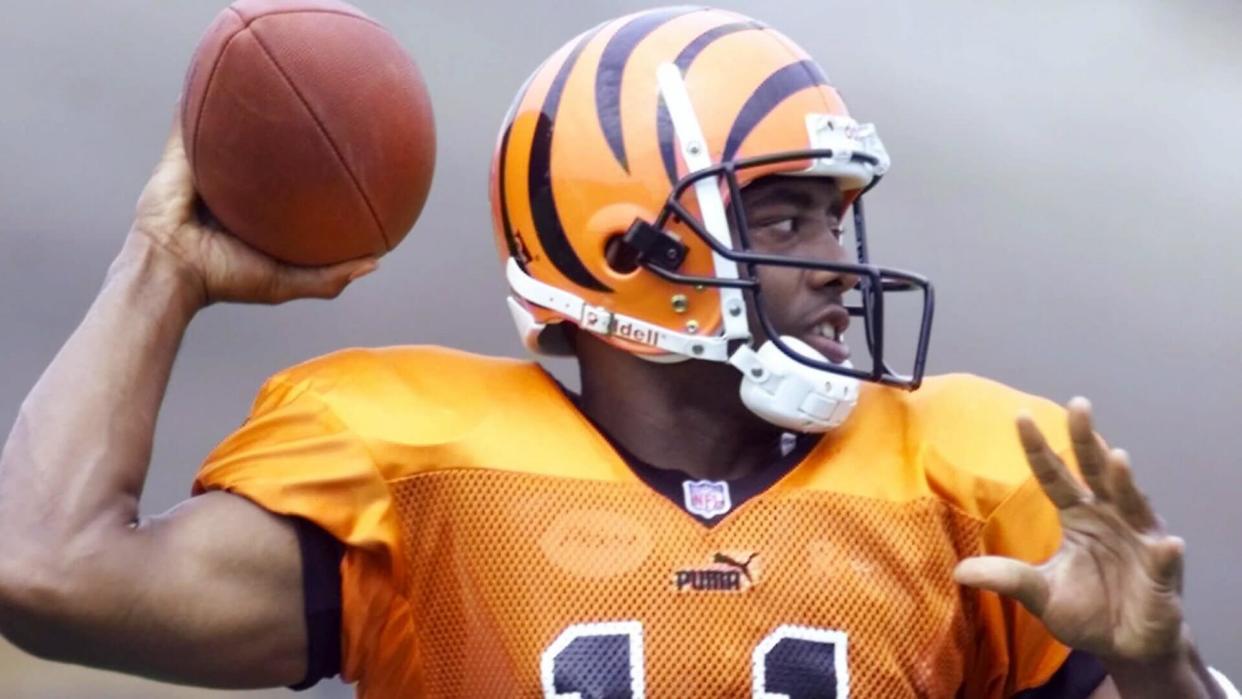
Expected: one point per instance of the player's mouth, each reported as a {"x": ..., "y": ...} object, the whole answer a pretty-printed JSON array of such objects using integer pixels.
[{"x": 826, "y": 331}]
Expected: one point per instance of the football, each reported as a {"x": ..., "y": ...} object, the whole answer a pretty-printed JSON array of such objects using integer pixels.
[{"x": 308, "y": 129}]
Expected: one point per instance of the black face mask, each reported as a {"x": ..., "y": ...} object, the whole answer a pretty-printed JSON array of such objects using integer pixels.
[{"x": 662, "y": 252}]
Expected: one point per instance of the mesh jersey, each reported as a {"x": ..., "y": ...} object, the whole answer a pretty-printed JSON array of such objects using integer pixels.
[{"x": 498, "y": 546}]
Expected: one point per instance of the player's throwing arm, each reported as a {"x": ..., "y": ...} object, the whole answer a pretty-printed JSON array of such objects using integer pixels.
[{"x": 208, "y": 593}]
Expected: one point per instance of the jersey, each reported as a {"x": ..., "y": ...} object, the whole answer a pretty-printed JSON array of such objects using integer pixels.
[{"x": 496, "y": 543}]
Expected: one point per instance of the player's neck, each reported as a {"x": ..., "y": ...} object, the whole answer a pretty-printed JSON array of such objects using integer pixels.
[{"x": 685, "y": 416}]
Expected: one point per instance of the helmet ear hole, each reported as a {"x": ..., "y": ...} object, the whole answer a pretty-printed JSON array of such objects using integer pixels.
[{"x": 621, "y": 258}]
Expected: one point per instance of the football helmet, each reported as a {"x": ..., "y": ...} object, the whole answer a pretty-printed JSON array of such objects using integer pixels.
[{"x": 639, "y": 136}]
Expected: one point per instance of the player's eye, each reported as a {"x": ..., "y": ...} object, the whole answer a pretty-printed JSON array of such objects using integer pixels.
[
  {"x": 776, "y": 233},
  {"x": 784, "y": 225},
  {"x": 781, "y": 225}
]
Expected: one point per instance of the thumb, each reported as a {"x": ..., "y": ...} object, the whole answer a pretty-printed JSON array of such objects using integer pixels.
[
  {"x": 1005, "y": 576},
  {"x": 167, "y": 199},
  {"x": 1168, "y": 559},
  {"x": 320, "y": 282}
]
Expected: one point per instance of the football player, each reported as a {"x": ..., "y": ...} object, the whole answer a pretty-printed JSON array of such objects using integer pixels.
[{"x": 729, "y": 508}]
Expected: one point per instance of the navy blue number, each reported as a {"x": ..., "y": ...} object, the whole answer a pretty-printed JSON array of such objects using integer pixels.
[
  {"x": 797, "y": 662},
  {"x": 605, "y": 661},
  {"x": 595, "y": 661}
]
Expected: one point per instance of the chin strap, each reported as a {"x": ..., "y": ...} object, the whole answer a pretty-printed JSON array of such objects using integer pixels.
[
  {"x": 790, "y": 394},
  {"x": 602, "y": 321},
  {"x": 775, "y": 386}
]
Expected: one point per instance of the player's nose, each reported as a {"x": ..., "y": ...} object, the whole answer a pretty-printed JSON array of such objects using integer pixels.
[{"x": 831, "y": 250}]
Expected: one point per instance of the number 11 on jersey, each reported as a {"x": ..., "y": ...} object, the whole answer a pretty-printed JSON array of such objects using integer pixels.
[{"x": 605, "y": 661}]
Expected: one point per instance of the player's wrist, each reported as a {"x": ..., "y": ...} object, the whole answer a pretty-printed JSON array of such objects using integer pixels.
[
  {"x": 160, "y": 272},
  {"x": 1178, "y": 671}
]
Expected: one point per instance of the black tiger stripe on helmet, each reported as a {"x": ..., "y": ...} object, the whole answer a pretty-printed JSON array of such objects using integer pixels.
[
  {"x": 684, "y": 60},
  {"x": 612, "y": 65},
  {"x": 609, "y": 74},
  {"x": 547, "y": 219}
]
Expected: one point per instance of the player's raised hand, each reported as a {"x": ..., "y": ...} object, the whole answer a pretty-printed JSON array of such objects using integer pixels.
[
  {"x": 223, "y": 266},
  {"x": 1113, "y": 589}
]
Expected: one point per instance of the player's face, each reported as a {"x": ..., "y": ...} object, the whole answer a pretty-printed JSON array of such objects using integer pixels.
[{"x": 800, "y": 217}]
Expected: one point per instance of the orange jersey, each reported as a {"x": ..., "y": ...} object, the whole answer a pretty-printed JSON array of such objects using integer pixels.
[{"x": 497, "y": 545}]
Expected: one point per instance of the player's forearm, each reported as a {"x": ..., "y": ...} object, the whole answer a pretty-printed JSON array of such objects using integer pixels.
[
  {"x": 1183, "y": 675},
  {"x": 74, "y": 464}
]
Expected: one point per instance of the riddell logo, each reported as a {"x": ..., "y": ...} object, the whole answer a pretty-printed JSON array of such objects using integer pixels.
[
  {"x": 728, "y": 572},
  {"x": 642, "y": 336},
  {"x": 625, "y": 329}
]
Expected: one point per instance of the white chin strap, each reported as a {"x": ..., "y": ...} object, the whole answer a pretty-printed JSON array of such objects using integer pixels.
[
  {"x": 790, "y": 394},
  {"x": 775, "y": 386}
]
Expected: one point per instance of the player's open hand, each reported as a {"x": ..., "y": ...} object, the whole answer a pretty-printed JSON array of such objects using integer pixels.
[
  {"x": 1113, "y": 589},
  {"x": 222, "y": 266}
]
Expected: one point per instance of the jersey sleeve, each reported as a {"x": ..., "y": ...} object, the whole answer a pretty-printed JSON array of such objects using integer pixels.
[
  {"x": 1017, "y": 656},
  {"x": 295, "y": 457},
  {"x": 968, "y": 423}
]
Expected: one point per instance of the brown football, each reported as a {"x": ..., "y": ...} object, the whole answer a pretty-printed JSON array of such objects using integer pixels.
[{"x": 308, "y": 129}]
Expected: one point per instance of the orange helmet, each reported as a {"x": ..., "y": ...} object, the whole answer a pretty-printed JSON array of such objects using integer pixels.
[{"x": 639, "y": 133}]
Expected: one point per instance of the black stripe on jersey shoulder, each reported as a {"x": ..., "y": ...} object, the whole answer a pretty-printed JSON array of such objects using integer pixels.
[
  {"x": 778, "y": 87},
  {"x": 685, "y": 59},
  {"x": 321, "y": 594},
  {"x": 1079, "y": 676},
  {"x": 612, "y": 65},
  {"x": 548, "y": 224}
]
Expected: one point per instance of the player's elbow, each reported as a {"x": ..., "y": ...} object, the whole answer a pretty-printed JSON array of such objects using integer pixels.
[
  {"x": 45, "y": 594},
  {"x": 31, "y": 597}
]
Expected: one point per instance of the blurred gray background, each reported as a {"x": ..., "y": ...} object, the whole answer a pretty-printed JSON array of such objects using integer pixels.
[{"x": 1065, "y": 171}]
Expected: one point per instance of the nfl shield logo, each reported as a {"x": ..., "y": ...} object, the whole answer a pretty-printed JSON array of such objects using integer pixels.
[{"x": 707, "y": 499}]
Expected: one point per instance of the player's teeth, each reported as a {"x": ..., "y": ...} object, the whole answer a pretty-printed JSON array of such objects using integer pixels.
[{"x": 827, "y": 331}]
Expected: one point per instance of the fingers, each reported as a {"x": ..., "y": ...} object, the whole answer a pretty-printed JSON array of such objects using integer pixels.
[
  {"x": 319, "y": 282},
  {"x": 1107, "y": 471},
  {"x": 177, "y": 166},
  {"x": 170, "y": 190},
  {"x": 1130, "y": 501},
  {"x": 1089, "y": 448},
  {"x": 1054, "y": 478},
  {"x": 1005, "y": 576},
  {"x": 174, "y": 147}
]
